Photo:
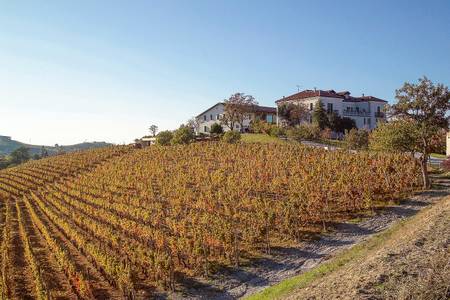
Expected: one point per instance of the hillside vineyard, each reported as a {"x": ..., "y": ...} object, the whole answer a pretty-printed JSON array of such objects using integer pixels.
[{"x": 119, "y": 222}]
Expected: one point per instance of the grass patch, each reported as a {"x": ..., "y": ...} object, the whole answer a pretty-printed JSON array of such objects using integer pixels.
[
  {"x": 301, "y": 281},
  {"x": 261, "y": 138},
  {"x": 438, "y": 155},
  {"x": 335, "y": 143}
]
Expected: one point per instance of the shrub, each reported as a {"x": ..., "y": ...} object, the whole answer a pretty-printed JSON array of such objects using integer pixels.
[
  {"x": 326, "y": 133},
  {"x": 304, "y": 132},
  {"x": 183, "y": 135},
  {"x": 164, "y": 137},
  {"x": 258, "y": 126},
  {"x": 231, "y": 137},
  {"x": 216, "y": 129},
  {"x": 357, "y": 139},
  {"x": 276, "y": 131},
  {"x": 446, "y": 164}
]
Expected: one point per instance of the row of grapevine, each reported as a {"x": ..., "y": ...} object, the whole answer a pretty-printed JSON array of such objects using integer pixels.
[
  {"x": 148, "y": 217},
  {"x": 40, "y": 289}
]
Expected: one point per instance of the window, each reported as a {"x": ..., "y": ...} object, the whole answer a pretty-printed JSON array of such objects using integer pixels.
[
  {"x": 368, "y": 121},
  {"x": 364, "y": 121},
  {"x": 211, "y": 117},
  {"x": 311, "y": 106},
  {"x": 378, "y": 109},
  {"x": 269, "y": 118},
  {"x": 217, "y": 117},
  {"x": 204, "y": 118},
  {"x": 329, "y": 108},
  {"x": 205, "y": 128}
]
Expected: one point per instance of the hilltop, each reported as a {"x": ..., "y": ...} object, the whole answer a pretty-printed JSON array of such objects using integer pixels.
[{"x": 8, "y": 145}]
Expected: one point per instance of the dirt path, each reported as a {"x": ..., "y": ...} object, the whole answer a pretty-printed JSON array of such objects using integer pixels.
[
  {"x": 413, "y": 263},
  {"x": 288, "y": 262}
]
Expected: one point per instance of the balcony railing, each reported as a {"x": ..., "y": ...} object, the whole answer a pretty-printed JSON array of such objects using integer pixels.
[{"x": 355, "y": 113}]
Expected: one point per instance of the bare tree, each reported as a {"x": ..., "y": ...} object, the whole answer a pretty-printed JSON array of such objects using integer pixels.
[
  {"x": 193, "y": 123},
  {"x": 238, "y": 108},
  {"x": 153, "y": 129}
]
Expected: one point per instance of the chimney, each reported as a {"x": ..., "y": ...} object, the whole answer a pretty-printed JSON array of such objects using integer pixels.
[
  {"x": 363, "y": 94},
  {"x": 315, "y": 90}
]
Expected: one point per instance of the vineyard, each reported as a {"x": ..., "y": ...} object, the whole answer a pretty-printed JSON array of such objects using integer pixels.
[{"x": 124, "y": 223}]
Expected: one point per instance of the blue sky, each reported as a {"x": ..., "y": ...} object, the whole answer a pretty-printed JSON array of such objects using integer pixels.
[{"x": 72, "y": 71}]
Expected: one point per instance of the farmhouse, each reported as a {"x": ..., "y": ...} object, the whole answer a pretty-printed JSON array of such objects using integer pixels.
[
  {"x": 215, "y": 113},
  {"x": 366, "y": 111}
]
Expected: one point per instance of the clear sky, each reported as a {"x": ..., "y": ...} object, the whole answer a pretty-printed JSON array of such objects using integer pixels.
[{"x": 72, "y": 71}]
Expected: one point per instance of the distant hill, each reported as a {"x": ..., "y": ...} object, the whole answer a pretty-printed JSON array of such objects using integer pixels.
[{"x": 8, "y": 145}]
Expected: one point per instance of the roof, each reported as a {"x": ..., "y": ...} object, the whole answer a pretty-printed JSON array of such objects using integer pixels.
[
  {"x": 258, "y": 108},
  {"x": 311, "y": 93},
  {"x": 328, "y": 93},
  {"x": 209, "y": 109},
  {"x": 265, "y": 109}
]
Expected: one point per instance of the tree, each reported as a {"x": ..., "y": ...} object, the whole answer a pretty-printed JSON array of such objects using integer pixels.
[
  {"x": 425, "y": 105},
  {"x": 340, "y": 124},
  {"x": 319, "y": 116},
  {"x": 164, "y": 137},
  {"x": 183, "y": 135},
  {"x": 396, "y": 136},
  {"x": 153, "y": 129},
  {"x": 20, "y": 155},
  {"x": 193, "y": 123},
  {"x": 44, "y": 152},
  {"x": 238, "y": 108},
  {"x": 292, "y": 113},
  {"x": 216, "y": 129}
]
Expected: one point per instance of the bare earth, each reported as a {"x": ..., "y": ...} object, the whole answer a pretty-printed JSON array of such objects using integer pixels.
[
  {"x": 414, "y": 263},
  {"x": 288, "y": 262}
]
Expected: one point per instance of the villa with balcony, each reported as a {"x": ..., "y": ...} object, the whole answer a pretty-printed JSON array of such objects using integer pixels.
[{"x": 366, "y": 111}]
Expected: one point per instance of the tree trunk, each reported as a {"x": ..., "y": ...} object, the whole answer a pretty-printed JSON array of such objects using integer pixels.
[{"x": 423, "y": 165}]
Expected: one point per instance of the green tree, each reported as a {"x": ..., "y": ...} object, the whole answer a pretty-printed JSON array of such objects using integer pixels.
[
  {"x": 20, "y": 155},
  {"x": 183, "y": 135},
  {"x": 425, "y": 105},
  {"x": 395, "y": 136},
  {"x": 319, "y": 116},
  {"x": 293, "y": 114},
  {"x": 44, "y": 152},
  {"x": 153, "y": 129},
  {"x": 216, "y": 129},
  {"x": 339, "y": 124},
  {"x": 163, "y": 138}
]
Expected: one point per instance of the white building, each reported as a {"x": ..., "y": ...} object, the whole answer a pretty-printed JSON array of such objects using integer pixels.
[
  {"x": 448, "y": 144},
  {"x": 215, "y": 113},
  {"x": 366, "y": 111}
]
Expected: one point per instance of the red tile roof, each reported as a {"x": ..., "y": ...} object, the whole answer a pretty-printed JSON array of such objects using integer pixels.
[
  {"x": 327, "y": 93},
  {"x": 310, "y": 93}
]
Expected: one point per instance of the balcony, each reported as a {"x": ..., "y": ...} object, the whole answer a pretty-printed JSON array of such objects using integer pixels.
[
  {"x": 355, "y": 113},
  {"x": 379, "y": 114}
]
